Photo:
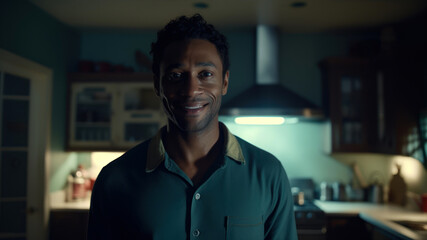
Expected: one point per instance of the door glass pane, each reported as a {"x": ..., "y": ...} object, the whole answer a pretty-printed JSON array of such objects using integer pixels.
[
  {"x": 16, "y": 86},
  {"x": 13, "y": 174},
  {"x": 15, "y": 123},
  {"x": 12, "y": 217}
]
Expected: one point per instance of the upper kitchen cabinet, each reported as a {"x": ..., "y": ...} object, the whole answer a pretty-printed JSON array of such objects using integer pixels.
[
  {"x": 350, "y": 100},
  {"x": 371, "y": 104},
  {"x": 111, "y": 111}
]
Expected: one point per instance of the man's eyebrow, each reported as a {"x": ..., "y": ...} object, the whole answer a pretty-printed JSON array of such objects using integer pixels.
[
  {"x": 174, "y": 65},
  {"x": 200, "y": 64},
  {"x": 206, "y": 64}
]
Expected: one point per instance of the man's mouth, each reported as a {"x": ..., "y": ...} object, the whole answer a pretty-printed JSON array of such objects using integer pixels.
[{"x": 192, "y": 109}]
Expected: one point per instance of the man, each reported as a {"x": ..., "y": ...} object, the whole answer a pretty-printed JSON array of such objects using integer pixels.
[{"x": 194, "y": 179}]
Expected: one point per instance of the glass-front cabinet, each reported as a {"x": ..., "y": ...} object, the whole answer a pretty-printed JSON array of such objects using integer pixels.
[
  {"x": 353, "y": 103},
  {"x": 370, "y": 106},
  {"x": 112, "y": 115}
]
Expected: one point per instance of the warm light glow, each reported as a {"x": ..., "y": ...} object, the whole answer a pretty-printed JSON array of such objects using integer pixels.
[
  {"x": 260, "y": 120},
  {"x": 105, "y": 156},
  {"x": 100, "y": 159},
  {"x": 411, "y": 169}
]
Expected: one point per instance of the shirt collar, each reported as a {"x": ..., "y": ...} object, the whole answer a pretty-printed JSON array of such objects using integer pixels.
[{"x": 156, "y": 151}]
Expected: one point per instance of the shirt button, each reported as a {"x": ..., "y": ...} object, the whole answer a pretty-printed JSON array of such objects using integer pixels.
[
  {"x": 196, "y": 233},
  {"x": 197, "y": 196}
]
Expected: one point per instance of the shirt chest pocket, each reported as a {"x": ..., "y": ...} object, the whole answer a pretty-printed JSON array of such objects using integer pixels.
[{"x": 250, "y": 228}]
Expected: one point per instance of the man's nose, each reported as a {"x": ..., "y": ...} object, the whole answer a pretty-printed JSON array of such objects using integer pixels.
[{"x": 191, "y": 86}]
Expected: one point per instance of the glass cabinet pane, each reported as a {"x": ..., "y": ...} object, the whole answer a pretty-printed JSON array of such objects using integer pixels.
[
  {"x": 93, "y": 114},
  {"x": 137, "y": 132},
  {"x": 141, "y": 98},
  {"x": 351, "y": 109}
]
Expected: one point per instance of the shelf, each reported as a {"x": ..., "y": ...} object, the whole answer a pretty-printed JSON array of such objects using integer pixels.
[
  {"x": 93, "y": 124},
  {"x": 111, "y": 77}
]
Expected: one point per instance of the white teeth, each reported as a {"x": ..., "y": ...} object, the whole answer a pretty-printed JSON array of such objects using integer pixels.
[{"x": 191, "y": 108}]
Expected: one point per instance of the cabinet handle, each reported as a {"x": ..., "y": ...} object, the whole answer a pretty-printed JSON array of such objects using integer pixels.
[{"x": 31, "y": 210}]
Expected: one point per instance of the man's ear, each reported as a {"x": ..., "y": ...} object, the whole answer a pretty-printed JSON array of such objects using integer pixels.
[
  {"x": 156, "y": 84},
  {"x": 225, "y": 83}
]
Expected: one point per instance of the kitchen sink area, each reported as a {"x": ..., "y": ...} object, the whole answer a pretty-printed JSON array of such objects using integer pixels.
[
  {"x": 418, "y": 226},
  {"x": 399, "y": 224}
]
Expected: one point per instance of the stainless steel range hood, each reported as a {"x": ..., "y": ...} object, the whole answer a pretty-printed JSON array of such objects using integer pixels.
[{"x": 268, "y": 96}]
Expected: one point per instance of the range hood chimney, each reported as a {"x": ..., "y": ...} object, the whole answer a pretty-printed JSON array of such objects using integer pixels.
[{"x": 268, "y": 97}]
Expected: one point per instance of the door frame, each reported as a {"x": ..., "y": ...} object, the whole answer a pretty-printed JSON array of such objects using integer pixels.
[{"x": 39, "y": 139}]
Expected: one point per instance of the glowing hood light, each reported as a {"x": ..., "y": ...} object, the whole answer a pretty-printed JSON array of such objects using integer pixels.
[{"x": 264, "y": 120}]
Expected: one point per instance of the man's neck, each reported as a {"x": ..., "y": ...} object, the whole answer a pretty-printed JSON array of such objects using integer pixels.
[{"x": 189, "y": 147}]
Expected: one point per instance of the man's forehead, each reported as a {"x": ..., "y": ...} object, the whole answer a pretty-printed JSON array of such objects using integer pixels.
[{"x": 202, "y": 53}]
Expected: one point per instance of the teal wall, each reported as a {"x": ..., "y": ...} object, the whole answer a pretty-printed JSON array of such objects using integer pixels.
[
  {"x": 31, "y": 33},
  {"x": 302, "y": 148}
]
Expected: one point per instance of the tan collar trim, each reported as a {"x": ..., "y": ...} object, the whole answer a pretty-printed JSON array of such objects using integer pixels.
[
  {"x": 232, "y": 147},
  {"x": 156, "y": 151}
]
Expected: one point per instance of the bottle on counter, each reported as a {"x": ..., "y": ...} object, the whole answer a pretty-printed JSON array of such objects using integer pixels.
[
  {"x": 77, "y": 184},
  {"x": 397, "y": 189}
]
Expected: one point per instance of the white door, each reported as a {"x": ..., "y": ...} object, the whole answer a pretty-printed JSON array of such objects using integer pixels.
[{"x": 25, "y": 90}]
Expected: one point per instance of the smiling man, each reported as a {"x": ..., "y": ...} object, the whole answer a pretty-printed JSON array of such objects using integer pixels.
[{"x": 194, "y": 179}]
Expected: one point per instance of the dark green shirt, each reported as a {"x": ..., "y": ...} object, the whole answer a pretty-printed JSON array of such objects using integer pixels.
[{"x": 145, "y": 195}]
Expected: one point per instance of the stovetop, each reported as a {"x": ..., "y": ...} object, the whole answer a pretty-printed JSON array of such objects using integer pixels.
[
  {"x": 309, "y": 215},
  {"x": 307, "y": 206}
]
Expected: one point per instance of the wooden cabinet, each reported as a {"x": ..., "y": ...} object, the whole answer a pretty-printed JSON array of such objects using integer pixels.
[
  {"x": 347, "y": 227},
  {"x": 111, "y": 111},
  {"x": 351, "y": 101},
  {"x": 371, "y": 105},
  {"x": 68, "y": 224}
]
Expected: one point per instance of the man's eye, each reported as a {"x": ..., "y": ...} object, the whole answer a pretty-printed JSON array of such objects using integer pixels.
[
  {"x": 175, "y": 76},
  {"x": 205, "y": 74}
]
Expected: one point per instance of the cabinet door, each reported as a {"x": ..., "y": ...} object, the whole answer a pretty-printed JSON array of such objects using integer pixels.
[
  {"x": 352, "y": 103},
  {"x": 91, "y": 115},
  {"x": 68, "y": 225},
  {"x": 138, "y": 114},
  {"x": 346, "y": 227}
]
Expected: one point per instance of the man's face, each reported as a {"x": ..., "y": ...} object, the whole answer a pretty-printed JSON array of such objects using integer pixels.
[{"x": 191, "y": 84}]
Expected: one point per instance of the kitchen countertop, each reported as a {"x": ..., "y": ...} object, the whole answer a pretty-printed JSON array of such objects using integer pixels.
[
  {"x": 379, "y": 215},
  {"x": 57, "y": 202},
  {"x": 354, "y": 208}
]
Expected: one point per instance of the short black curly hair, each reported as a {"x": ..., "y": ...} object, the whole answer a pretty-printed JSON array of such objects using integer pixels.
[{"x": 183, "y": 28}]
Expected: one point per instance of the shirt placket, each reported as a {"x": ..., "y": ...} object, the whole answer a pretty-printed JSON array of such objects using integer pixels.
[
  {"x": 196, "y": 221},
  {"x": 196, "y": 231}
]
